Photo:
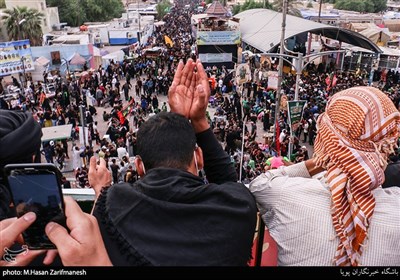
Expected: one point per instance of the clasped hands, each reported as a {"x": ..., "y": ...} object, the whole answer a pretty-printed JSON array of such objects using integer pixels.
[{"x": 190, "y": 92}]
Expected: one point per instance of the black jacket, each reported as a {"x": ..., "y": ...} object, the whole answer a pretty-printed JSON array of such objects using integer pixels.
[
  {"x": 392, "y": 175},
  {"x": 171, "y": 218}
]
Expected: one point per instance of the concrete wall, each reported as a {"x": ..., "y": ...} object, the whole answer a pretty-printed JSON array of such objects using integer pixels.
[{"x": 66, "y": 51}]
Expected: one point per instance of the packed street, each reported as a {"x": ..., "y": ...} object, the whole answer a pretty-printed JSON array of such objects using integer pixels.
[{"x": 185, "y": 133}]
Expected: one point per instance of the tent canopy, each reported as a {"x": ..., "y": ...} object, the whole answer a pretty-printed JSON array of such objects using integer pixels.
[
  {"x": 42, "y": 61},
  {"x": 103, "y": 52},
  {"x": 77, "y": 59},
  {"x": 116, "y": 56},
  {"x": 261, "y": 28},
  {"x": 360, "y": 26},
  {"x": 390, "y": 52},
  {"x": 384, "y": 50},
  {"x": 392, "y": 24},
  {"x": 377, "y": 35}
]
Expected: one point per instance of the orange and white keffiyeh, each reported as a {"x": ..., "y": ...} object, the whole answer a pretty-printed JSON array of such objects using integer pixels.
[{"x": 357, "y": 131}]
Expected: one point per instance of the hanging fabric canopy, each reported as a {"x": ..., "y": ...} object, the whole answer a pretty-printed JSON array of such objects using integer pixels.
[
  {"x": 42, "y": 61},
  {"x": 77, "y": 59},
  {"x": 103, "y": 52}
]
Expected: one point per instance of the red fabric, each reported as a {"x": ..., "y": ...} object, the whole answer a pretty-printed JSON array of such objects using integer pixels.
[
  {"x": 269, "y": 256},
  {"x": 121, "y": 117},
  {"x": 328, "y": 80},
  {"x": 334, "y": 81},
  {"x": 213, "y": 82},
  {"x": 278, "y": 145}
]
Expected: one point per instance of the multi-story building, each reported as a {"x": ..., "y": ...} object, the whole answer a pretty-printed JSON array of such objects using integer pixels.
[
  {"x": 393, "y": 6},
  {"x": 50, "y": 19}
]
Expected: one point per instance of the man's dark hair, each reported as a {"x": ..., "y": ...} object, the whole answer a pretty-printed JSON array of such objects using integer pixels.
[
  {"x": 20, "y": 139},
  {"x": 166, "y": 140}
]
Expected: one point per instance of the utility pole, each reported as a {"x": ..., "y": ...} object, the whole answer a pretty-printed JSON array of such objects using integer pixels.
[
  {"x": 82, "y": 112},
  {"x": 68, "y": 74},
  {"x": 299, "y": 66},
  {"x": 23, "y": 81},
  {"x": 139, "y": 34},
  {"x": 280, "y": 70},
  {"x": 319, "y": 12},
  {"x": 299, "y": 70},
  {"x": 127, "y": 13}
]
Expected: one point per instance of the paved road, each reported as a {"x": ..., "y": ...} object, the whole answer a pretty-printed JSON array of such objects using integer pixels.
[{"x": 102, "y": 128}]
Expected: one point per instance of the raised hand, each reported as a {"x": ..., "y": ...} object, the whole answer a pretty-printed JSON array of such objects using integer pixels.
[
  {"x": 200, "y": 99},
  {"x": 99, "y": 176},
  {"x": 180, "y": 93}
]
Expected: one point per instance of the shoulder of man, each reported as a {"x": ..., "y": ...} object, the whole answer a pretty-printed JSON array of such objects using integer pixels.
[{"x": 233, "y": 190}]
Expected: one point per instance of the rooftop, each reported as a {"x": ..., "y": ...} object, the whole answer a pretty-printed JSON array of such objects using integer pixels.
[{"x": 216, "y": 9}]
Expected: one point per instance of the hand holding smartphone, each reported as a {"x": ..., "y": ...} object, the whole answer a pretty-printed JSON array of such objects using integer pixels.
[{"x": 37, "y": 188}]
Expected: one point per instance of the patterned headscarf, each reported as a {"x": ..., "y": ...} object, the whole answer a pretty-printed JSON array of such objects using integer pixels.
[{"x": 355, "y": 135}]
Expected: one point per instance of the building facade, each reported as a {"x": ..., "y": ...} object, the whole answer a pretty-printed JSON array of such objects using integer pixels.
[
  {"x": 217, "y": 36},
  {"x": 51, "y": 17}
]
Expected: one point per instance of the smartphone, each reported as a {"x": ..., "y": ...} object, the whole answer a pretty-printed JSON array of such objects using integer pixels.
[{"x": 36, "y": 187}]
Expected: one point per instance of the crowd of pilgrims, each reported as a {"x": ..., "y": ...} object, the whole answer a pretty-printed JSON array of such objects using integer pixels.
[{"x": 126, "y": 94}]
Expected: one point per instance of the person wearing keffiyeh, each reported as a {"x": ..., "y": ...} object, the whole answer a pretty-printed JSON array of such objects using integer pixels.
[
  {"x": 353, "y": 148},
  {"x": 341, "y": 217}
]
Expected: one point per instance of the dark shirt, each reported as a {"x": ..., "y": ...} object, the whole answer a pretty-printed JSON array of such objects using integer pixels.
[
  {"x": 170, "y": 217},
  {"x": 392, "y": 175}
]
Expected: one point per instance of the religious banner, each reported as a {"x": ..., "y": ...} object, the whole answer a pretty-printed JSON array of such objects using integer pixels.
[
  {"x": 215, "y": 57},
  {"x": 272, "y": 79},
  {"x": 295, "y": 113},
  {"x": 15, "y": 57},
  {"x": 243, "y": 74},
  {"x": 218, "y": 37}
]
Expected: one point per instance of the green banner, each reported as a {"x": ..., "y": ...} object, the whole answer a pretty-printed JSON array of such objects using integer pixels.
[{"x": 295, "y": 110}]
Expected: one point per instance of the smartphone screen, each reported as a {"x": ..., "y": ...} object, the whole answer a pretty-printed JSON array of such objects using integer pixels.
[{"x": 39, "y": 191}]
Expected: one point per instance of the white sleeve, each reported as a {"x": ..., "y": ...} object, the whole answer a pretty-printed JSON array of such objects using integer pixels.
[{"x": 267, "y": 188}]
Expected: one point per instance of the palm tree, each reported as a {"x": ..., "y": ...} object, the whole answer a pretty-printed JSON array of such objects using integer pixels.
[
  {"x": 24, "y": 23},
  {"x": 163, "y": 8},
  {"x": 277, "y": 5}
]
